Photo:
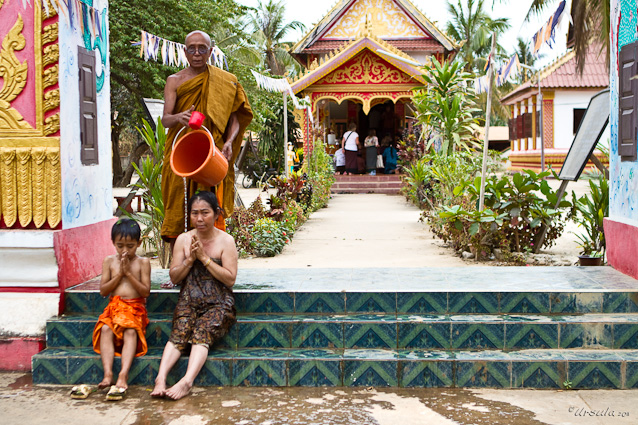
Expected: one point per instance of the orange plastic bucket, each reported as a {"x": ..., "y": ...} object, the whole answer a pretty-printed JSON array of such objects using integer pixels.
[{"x": 196, "y": 157}]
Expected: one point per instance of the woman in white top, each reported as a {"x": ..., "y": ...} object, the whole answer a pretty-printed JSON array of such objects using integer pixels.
[
  {"x": 371, "y": 144},
  {"x": 350, "y": 144}
]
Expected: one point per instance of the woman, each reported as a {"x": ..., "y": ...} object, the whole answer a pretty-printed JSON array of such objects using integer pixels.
[
  {"x": 350, "y": 144},
  {"x": 371, "y": 144},
  {"x": 390, "y": 159},
  {"x": 205, "y": 265}
]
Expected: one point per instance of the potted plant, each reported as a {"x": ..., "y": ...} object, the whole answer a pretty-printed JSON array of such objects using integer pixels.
[{"x": 589, "y": 212}]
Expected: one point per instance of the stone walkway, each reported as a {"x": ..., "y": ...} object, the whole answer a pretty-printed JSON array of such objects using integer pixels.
[{"x": 363, "y": 230}]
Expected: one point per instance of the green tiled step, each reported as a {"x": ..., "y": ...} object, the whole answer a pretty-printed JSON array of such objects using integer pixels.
[
  {"x": 380, "y": 300},
  {"x": 548, "y": 369},
  {"x": 384, "y": 331}
]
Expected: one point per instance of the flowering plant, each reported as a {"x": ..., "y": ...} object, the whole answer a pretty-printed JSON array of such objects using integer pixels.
[{"x": 268, "y": 237}]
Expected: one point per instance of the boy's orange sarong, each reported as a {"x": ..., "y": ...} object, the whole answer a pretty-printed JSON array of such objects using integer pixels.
[{"x": 121, "y": 314}]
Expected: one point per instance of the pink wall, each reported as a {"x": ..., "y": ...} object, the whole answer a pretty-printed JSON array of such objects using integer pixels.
[
  {"x": 25, "y": 102},
  {"x": 80, "y": 252},
  {"x": 16, "y": 353},
  {"x": 622, "y": 247}
]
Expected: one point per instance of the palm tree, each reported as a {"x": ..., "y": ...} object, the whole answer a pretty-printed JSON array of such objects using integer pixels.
[
  {"x": 268, "y": 31},
  {"x": 472, "y": 27},
  {"x": 591, "y": 24}
]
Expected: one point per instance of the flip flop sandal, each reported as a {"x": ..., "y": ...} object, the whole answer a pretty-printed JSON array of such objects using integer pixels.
[
  {"x": 115, "y": 393},
  {"x": 81, "y": 392}
]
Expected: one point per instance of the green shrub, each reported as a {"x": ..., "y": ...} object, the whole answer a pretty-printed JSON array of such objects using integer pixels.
[
  {"x": 520, "y": 205},
  {"x": 240, "y": 225},
  {"x": 589, "y": 212},
  {"x": 268, "y": 237}
]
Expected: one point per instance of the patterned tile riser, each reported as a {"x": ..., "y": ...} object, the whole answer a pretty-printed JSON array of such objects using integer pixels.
[
  {"x": 389, "y": 333},
  {"x": 356, "y": 372},
  {"x": 391, "y": 303}
]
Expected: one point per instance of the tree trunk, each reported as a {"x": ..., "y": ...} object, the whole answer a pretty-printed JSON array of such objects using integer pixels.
[
  {"x": 134, "y": 158},
  {"x": 115, "y": 145}
]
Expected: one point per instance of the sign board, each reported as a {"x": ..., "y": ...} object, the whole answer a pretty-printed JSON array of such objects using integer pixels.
[
  {"x": 591, "y": 128},
  {"x": 154, "y": 109}
]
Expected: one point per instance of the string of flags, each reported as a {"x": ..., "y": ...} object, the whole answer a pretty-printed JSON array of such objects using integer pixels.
[
  {"x": 171, "y": 53},
  {"x": 509, "y": 69},
  {"x": 79, "y": 15},
  {"x": 547, "y": 33},
  {"x": 281, "y": 85}
]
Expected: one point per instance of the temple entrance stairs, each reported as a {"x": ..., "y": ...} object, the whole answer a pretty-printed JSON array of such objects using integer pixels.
[
  {"x": 388, "y": 184},
  {"x": 510, "y": 327}
]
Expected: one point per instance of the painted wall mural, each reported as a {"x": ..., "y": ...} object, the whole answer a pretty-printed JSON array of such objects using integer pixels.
[
  {"x": 86, "y": 189},
  {"x": 384, "y": 18},
  {"x": 623, "y": 175}
]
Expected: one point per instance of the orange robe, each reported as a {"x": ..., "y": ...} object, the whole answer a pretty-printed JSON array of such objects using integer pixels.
[
  {"x": 121, "y": 314},
  {"x": 217, "y": 94}
]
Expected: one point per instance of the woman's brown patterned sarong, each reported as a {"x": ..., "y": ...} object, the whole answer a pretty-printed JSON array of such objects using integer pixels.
[{"x": 205, "y": 310}]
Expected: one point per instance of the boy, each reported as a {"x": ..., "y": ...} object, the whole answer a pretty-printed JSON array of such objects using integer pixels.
[{"x": 120, "y": 329}]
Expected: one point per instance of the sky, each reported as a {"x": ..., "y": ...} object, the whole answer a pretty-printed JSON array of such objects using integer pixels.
[{"x": 310, "y": 12}]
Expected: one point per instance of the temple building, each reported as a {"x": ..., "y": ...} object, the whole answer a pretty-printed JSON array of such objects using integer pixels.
[
  {"x": 56, "y": 200},
  {"x": 565, "y": 95},
  {"x": 361, "y": 62}
]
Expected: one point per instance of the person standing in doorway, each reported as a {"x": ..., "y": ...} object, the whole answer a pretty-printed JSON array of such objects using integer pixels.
[
  {"x": 350, "y": 144},
  {"x": 371, "y": 144}
]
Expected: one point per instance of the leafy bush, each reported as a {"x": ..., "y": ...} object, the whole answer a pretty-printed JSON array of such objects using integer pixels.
[
  {"x": 513, "y": 206},
  {"x": 430, "y": 181},
  {"x": 321, "y": 177},
  {"x": 446, "y": 107},
  {"x": 149, "y": 171},
  {"x": 240, "y": 225},
  {"x": 268, "y": 237},
  {"x": 589, "y": 212}
]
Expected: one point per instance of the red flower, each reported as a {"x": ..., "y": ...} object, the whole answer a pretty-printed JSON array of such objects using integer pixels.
[{"x": 284, "y": 233}]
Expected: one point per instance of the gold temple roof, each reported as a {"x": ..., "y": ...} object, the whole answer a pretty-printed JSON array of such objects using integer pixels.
[{"x": 327, "y": 25}]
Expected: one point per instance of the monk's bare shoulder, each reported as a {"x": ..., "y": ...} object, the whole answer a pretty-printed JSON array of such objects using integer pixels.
[{"x": 179, "y": 78}]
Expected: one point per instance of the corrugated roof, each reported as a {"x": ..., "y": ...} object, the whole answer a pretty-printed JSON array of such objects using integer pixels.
[{"x": 562, "y": 74}]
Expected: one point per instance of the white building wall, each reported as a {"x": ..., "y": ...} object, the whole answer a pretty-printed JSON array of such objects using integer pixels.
[
  {"x": 565, "y": 101},
  {"x": 86, "y": 189}
]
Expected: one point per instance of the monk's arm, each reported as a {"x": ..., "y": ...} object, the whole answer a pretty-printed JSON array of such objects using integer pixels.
[
  {"x": 108, "y": 283},
  {"x": 180, "y": 265},
  {"x": 142, "y": 284},
  {"x": 232, "y": 131},
  {"x": 227, "y": 272},
  {"x": 169, "y": 117}
]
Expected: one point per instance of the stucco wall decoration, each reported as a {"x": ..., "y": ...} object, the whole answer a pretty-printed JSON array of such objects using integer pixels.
[{"x": 29, "y": 116}]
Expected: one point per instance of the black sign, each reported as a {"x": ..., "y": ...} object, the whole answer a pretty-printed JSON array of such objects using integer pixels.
[{"x": 154, "y": 110}]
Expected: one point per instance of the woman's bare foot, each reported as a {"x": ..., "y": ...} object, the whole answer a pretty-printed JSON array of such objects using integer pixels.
[
  {"x": 179, "y": 390},
  {"x": 106, "y": 383},
  {"x": 159, "y": 390}
]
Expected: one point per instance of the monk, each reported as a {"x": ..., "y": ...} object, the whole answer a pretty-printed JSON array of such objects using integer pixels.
[{"x": 218, "y": 95}]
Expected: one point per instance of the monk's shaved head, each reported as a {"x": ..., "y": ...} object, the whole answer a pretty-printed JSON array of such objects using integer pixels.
[{"x": 202, "y": 33}]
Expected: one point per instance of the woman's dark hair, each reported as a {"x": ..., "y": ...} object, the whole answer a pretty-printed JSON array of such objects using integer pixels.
[
  {"x": 372, "y": 133},
  {"x": 126, "y": 228},
  {"x": 352, "y": 126},
  {"x": 206, "y": 196}
]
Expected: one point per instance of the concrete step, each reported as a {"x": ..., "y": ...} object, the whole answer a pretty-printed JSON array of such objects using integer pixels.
[
  {"x": 384, "y": 331},
  {"x": 542, "y": 369},
  {"x": 340, "y": 178},
  {"x": 380, "y": 191}
]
